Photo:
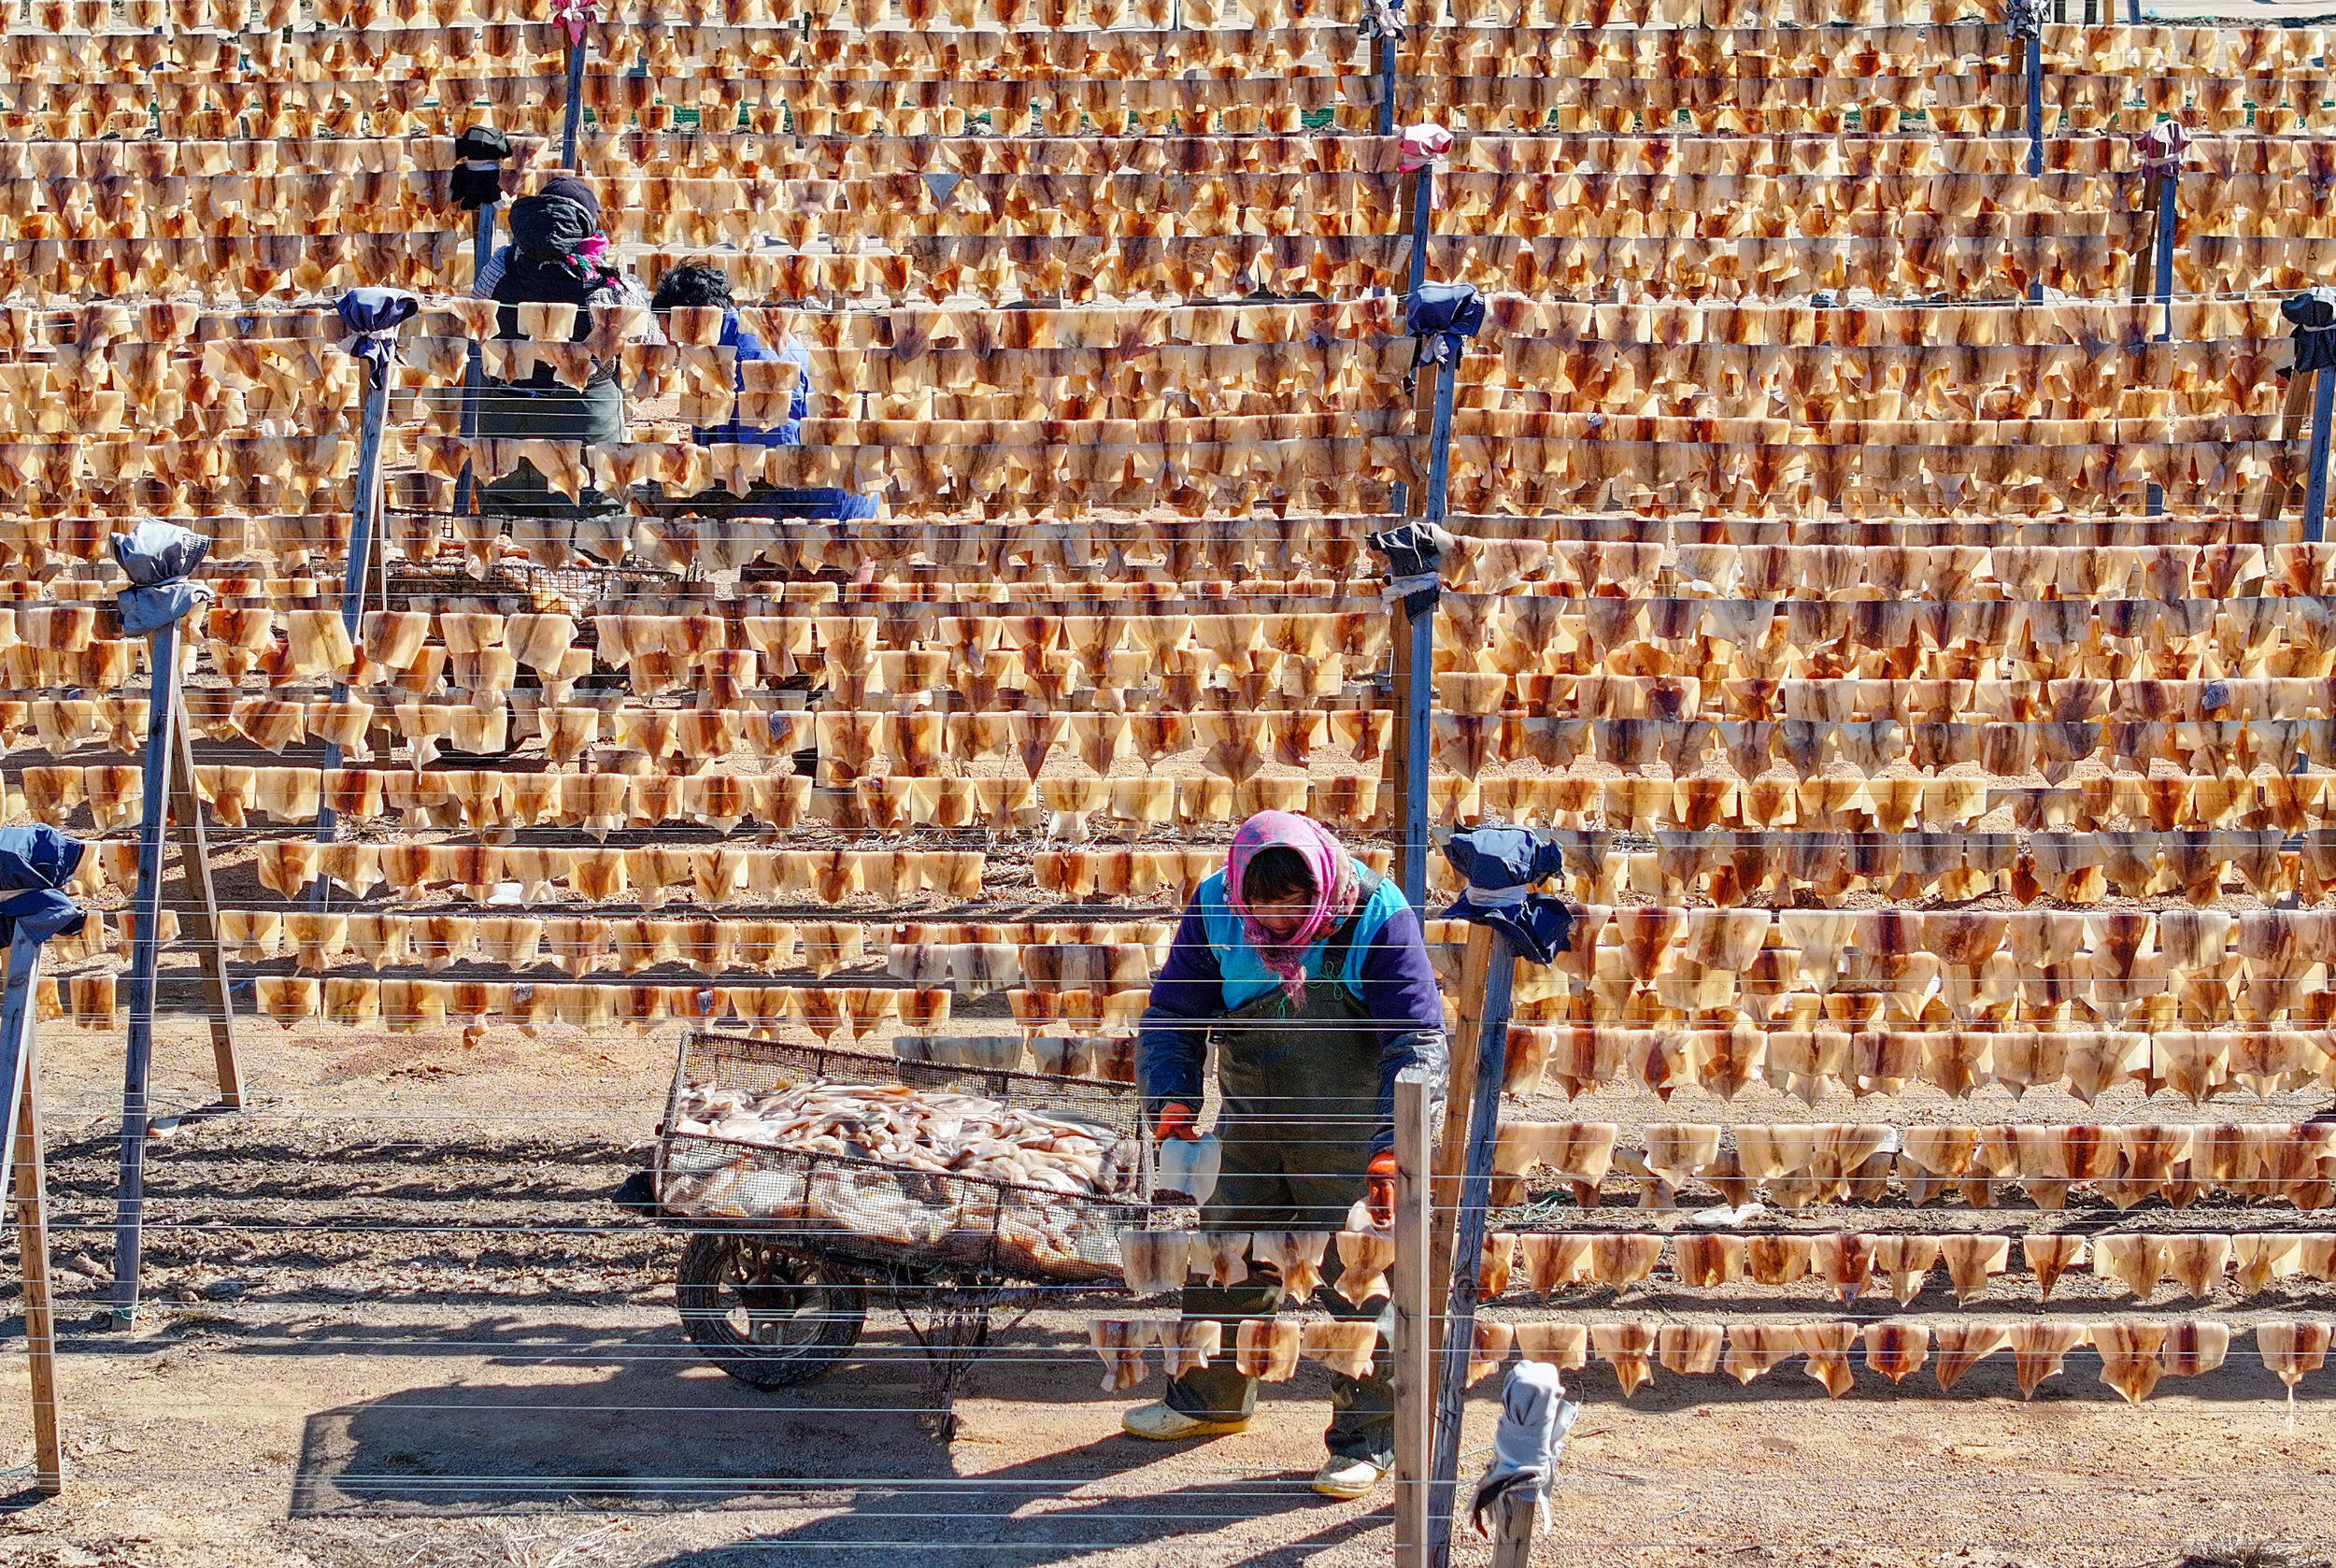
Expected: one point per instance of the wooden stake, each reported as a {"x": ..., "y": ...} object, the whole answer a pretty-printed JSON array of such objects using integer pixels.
[
  {"x": 1472, "y": 1211},
  {"x": 40, "y": 1319},
  {"x": 1415, "y": 1377},
  {"x": 2146, "y": 250},
  {"x": 1452, "y": 1154},
  {"x": 1513, "y": 1536},
  {"x": 18, "y": 1073}
]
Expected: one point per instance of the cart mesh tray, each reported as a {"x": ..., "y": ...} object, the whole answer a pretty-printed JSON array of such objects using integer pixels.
[
  {"x": 890, "y": 1218},
  {"x": 721, "y": 1059}
]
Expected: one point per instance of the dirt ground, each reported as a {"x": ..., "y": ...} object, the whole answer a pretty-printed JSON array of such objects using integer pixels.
[{"x": 395, "y": 1321}]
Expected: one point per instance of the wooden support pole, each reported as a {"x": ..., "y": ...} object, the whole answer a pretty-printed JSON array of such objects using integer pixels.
[
  {"x": 1384, "y": 52},
  {"x": 201, "y": 918},
  {"x": 1422, "y": 204},
  {"x": 1415, "y": 1382},
  {"x": 2144, "y": 252},
  {"x": 1459, "y": 1093},
  {"x": 41, "y": 1312},
  {"x": 21, "y": 1138},
  {"x": 1473, "y": 1206},
  {"x": 2291, "y": 415}
]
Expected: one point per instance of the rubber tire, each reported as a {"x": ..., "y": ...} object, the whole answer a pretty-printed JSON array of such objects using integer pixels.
[{"x": 701, "y": 1295}]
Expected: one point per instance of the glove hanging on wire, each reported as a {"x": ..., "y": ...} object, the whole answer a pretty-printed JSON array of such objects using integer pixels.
[
  {"x": 1439, "y": 317},
  {"x": 1535, "y": 1416},
  {"x": 2313, "y": 314},
  {"x": 480, "y": 153},
  {"x": 1413, "y": 551}
]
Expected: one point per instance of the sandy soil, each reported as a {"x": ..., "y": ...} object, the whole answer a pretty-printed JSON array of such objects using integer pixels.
[{"x": 395, "y": 1321}]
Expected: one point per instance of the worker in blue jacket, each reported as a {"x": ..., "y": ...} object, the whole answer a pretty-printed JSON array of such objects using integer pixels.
[
  {"x": 707, "y": 286},
  {"x": 1311, "y": 974}
]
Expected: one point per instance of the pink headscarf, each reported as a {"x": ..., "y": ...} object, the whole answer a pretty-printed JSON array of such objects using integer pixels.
[{"x": 1334, "y": 889}]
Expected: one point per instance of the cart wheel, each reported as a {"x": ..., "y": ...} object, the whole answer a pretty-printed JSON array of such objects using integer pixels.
[{"x": 767, "y": 1317}]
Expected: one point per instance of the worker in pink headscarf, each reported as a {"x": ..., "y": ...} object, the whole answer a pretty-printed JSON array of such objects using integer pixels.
[{"x": 1311, "y": 974}]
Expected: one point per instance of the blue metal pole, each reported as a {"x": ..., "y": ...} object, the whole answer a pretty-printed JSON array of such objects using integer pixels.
[
  {"x": 2161, "y": 272},
  {"x": 1467, "y": 1243},
  {"x": 1422, "y": 693},
  {"x": 1422, "y": 627},
  {"x": 363, "y": 524},
  {"x": 1422, "y": 203},
  {"x": 2035, "y": 131},
  {"x": 481, "y": 252},
  {"x": 145, "y": 958},
  {"x": 2036, "y": 103},
  {"x": 2316, "y": 487},
  {"x": 2169, "y": 211},
  {"x": 578, "y": 43}
]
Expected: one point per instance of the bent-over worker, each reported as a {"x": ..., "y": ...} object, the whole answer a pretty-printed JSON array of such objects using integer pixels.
[
  {"x": 1312, "y": 976},
  {"x": 708, "y": 286},
  {"x": 557, "y": 256}
]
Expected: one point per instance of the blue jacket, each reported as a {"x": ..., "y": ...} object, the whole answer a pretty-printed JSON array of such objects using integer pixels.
[
  {"x": 1212, "y": 970},
  {"x": 753, "y": 348}
]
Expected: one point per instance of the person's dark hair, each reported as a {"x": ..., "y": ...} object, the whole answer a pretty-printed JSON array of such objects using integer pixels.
[
  {"x": 686, "y": 285},
  {"x": 1274, "y": 875}
]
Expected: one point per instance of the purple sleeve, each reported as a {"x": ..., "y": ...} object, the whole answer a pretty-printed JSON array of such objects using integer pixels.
[
  {"x": 1170, "y": 1052},
  {"x": 1398, "y": 987},
  {"x": 1397, "y": 982}
]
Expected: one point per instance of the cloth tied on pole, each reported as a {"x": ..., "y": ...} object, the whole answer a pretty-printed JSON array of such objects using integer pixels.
[
  {"x": 1500, "y": 865},
  {"x": 373, "y": 317},
  {"x": 160, "y": 558}
]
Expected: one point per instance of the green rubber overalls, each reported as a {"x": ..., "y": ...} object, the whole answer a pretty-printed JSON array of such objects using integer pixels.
[
  {"x": 595, "y": 415},
  {"x": 1301, "y": 1105}
]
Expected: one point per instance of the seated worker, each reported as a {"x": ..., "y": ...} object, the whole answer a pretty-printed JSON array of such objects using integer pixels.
[
  {"x": 1311, "y": 974},
  {"x": 554, "y": 258},
  {"x": 705, "y": 286}
]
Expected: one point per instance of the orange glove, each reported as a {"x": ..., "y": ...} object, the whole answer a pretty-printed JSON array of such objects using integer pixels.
[
  {"x": 1175, "y": 1122},
  {"x": 1379, "y": 1194}
]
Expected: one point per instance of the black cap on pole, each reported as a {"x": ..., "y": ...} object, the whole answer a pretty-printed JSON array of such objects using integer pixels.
[{"x": 478, "y": 156}]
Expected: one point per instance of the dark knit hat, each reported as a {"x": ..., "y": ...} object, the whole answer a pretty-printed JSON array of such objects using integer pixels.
[{"x": 575, "y": 189}]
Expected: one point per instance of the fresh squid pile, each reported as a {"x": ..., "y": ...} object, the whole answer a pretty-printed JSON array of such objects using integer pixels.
[{"x": 945, "y": 1135}]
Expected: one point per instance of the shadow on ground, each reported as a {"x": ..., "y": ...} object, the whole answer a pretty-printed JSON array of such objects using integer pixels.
[{"x": 853, "y": 1460}]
